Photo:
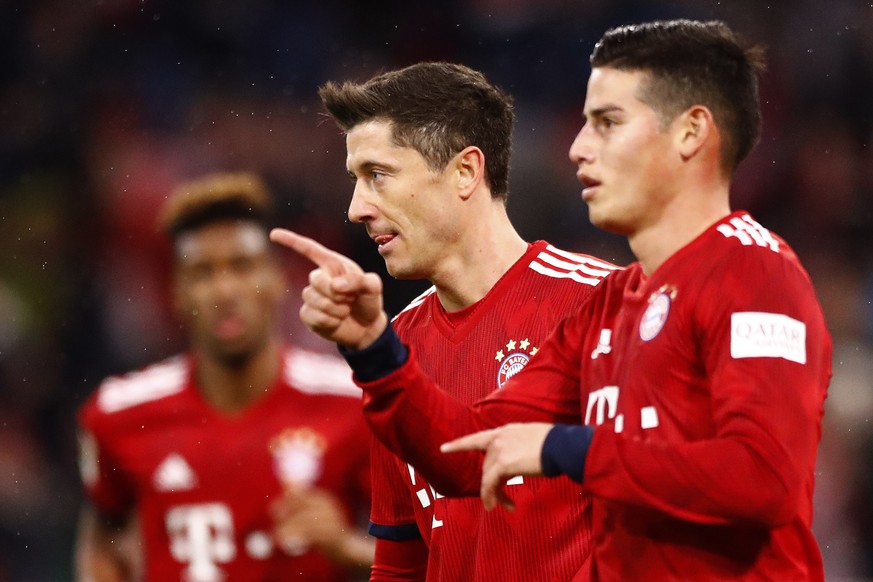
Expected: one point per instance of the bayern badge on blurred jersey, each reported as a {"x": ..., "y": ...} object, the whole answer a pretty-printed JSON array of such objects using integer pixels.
[{"x": 297, "y": 456}]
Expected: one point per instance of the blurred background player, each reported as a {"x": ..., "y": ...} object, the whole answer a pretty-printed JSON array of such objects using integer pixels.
[
  {"x": 243, "y": 459},
  {"x": 429, "y": 148}
]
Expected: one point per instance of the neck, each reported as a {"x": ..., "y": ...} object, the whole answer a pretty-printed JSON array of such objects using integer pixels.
[
  {"x": 480, "y": 259},
  {"x": 679, "y": 223},
  {"x": 232, "y": 387}
]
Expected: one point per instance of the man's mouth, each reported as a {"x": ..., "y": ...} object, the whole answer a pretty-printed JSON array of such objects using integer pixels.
[
  {"x": 589, "y": 184},
  {"x": 229, "y": 326},
  {"x": 383, "y": 240}
]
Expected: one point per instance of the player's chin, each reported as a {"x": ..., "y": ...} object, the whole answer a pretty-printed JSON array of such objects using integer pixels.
[
  {"x": 402, "y": 269},
  {"x": 235, "y": 351},
  {"x": 604, "y": 220}
]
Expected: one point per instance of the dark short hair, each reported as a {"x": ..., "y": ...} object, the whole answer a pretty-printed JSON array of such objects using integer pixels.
[
  {"x": 214, "y": 198},
  {"x": 693, "y": 63},
  {"x": 437, "y": 109}
]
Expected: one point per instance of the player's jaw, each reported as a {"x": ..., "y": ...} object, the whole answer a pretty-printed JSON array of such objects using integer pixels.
[{"x": 402, "y": 257}]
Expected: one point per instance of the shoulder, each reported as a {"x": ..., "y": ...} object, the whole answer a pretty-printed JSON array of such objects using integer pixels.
[
  {"x": 318, "y": 373},
  {"x": 550, "y": 262},
  {"x": 148, "y": 385},
  {"x": 746, "y": 250},
  {"x": 754, "y": 276},
  {"x": 415, "y": 307}
]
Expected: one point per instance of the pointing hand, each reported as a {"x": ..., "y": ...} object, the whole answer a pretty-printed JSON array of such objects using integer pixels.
[{"x": 342, "y": 303}]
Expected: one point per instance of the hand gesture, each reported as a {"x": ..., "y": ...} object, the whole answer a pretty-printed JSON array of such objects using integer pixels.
[
  {"x": 342, "y": 303},
  {"x": 510, "y": 450}
]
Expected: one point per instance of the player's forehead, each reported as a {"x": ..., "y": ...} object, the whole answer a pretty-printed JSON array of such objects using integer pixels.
[
  {"x": 613, "y": 89},
  {"x": 372, "y": 142},
  {"x": 226, "y": 238}
]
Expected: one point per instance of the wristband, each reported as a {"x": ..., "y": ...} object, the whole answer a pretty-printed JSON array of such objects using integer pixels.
[
  {"x": 379, "y": 359},
  {"x": 565, "y": 449}
]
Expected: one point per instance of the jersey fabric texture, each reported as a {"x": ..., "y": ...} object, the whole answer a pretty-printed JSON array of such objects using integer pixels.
[
  {"x": 706, "y": 384},
  {"x": 470, "y": 354},
  {"x": 201, "y": 481}
]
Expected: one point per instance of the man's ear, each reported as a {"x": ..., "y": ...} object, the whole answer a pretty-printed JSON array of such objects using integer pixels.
[
  {"x": 469, "y": 165},
  {"x": 695, "y": 128}
]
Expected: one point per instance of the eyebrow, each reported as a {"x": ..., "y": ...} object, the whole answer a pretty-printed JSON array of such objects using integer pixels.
[
  {"x": 601, "y": 111},
  {"x": 367, "y": 165}
]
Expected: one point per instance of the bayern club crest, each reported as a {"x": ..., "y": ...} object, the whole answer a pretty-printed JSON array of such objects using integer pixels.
[
  {"x": 513, "y": 359},
  {"x": 656, "y": 313},
  {"x": 297, "y": 456}
]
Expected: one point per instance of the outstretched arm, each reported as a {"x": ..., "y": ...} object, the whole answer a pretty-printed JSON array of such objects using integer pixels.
[{"x": 343, "y": 304}]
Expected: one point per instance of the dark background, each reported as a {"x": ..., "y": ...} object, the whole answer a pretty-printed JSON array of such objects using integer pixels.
[{"x": 105, "y": 105}]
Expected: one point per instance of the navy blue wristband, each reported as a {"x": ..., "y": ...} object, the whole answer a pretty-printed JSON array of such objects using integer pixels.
[
  {"x": 379, "y": 359},
  {"x": 395, "y": 533},
  {"x": 565, "y": 449}
]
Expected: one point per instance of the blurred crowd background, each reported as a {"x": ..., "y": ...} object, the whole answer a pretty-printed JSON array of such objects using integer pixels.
[{"x": 106, "y": 104}]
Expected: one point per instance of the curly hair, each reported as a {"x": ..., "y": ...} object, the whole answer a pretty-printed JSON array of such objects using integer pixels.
[{"x": 213, "y": 198}]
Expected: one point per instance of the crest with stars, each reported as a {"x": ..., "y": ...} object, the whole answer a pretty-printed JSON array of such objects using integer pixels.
[
  {"x": 513, "y": 357},
  {"x": 297, "y": 456}
]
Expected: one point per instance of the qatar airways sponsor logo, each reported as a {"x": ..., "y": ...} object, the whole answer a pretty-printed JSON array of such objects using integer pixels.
[{"x": 757, "y": 334}]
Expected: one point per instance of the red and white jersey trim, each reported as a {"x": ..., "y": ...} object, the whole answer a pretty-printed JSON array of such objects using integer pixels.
[
  {"x": 554, "y": 262},
  {"x": 317, "y": 373},
  {"x": 748, "y": 231},
  {"x": 416, "y": 302},
  {"x": 156, "y": 381}
]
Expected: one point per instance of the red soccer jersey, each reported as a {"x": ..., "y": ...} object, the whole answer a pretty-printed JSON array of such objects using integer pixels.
[
  {"x": 470, "y": 354},
  {"x": 706, "y": 382},
  {"x": 201, "y": 481}
]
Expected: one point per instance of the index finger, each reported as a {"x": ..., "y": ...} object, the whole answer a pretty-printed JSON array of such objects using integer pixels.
[
  {"x": 478, "y": 441},
  {"x": 313, "y": 250}
]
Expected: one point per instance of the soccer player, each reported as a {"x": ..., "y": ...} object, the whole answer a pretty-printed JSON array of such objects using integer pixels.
[
  {"x": 686, "y": 396},
  {"x": 428, "y": 150},
  {"x": 245, "y": 459}
]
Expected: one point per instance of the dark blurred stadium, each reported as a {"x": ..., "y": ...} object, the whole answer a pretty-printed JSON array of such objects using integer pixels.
[{"x": 106, "y": 104}]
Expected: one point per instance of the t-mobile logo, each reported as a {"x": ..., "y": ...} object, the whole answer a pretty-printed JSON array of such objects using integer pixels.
[
  {"x": 202, "y": 537},
  {"x": 602, "y": 404}
]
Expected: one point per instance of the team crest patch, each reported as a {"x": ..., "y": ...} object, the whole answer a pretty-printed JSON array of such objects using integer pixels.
[
  {"x": 513, "y": 359},
  {"x": 656, "y": 313},
  {"x": 297, "y": 456}
]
